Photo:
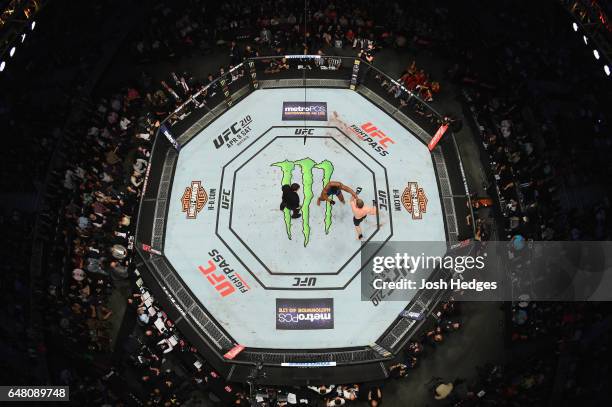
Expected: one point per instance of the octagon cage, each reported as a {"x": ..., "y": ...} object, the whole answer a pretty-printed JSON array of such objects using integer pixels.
[{"x": 191, "y": 317}]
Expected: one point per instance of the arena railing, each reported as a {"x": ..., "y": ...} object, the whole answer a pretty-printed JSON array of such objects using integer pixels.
[
  {"x": 311, "y": 71},
  {"x": 211, "y": 101}
]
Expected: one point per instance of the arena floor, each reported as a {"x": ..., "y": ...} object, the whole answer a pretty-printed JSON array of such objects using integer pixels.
[{"x": 276, "y": 282}]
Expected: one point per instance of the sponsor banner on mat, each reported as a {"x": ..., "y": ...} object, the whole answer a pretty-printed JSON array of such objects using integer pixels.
[
  {"x": 305, "y": 111},
  {"x": 221, "y": 275},
  {"x": 304, "y": 313},
  {"x": 376, "y": 138},
  {"x": 311, "y": 171},
  {"x": 194, "y": 199},
  {"x": 237, "y": 133},
  {"x": 414, "y": 200}
]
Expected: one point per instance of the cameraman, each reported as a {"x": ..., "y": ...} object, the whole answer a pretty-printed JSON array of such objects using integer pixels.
[{"x": 367, "y": 54}]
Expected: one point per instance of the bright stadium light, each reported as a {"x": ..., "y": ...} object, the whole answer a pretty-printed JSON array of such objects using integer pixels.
[
  {"x": 596, "y": 54},
  {"x": 575, "y": 26},
  {"x": 606, "y": 69},
  {"x": 3, "y": 64},
  {"x": 33, "y": 26},
  {"x": 23, "y": 37},
  {"x": 12, "y": 51},
  {"x": 585, "y": 39}
]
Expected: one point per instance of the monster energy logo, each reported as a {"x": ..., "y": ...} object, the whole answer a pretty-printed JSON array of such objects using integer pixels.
[{"x": 306, "y": 166}]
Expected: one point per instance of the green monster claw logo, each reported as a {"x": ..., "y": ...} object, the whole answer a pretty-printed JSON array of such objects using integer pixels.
[{"x": 307, "y": 165}]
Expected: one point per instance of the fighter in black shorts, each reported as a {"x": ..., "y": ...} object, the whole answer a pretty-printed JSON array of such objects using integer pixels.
[
  {"x": 357, "y": 222},
  {"x": 334, "y": 188},
  {"x": 360, "y": 212}
]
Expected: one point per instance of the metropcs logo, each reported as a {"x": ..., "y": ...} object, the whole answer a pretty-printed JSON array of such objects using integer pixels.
[
  {"x": 295, "y": 318},
  {"x": 375, "y": 137},
  {"x": 304, "y": 313},
  {"x": 193, "y": 200},
  {"x": 305, "y": 111},
  {"x": 414, "y": 200},
  {"x": 308, "y": 167}
]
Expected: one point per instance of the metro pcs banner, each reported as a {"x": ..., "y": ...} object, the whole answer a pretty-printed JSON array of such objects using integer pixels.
[
  {"x": 304, "y": 313},
  {"x": 305, "y": 111}
]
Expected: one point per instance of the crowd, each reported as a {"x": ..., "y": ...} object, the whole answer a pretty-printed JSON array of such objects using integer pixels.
[
  {"x": 530, "y": 135},
  {"x": 551, "y": 360},
  {"x": 90, "y": 217},
  {"x": 413, "y": 82},
  {"x": 537, "y": 164},
  {"x": 524, "y": 183},
  {"x": 148, "y": 348},
  {"x": 92, "y": 258},
  {"x": 42, "y": 88},
  {"x": 416, "y": 81},
  {"x": 97, "y": 193},
  {"x": 195, "y": 27},
  {"x": 280, "y": 28},
  {"x": 16, "y": 354}
]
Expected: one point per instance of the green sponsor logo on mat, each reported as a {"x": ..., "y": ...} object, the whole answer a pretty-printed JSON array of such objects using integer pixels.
[{"x": 307, "y": 167}]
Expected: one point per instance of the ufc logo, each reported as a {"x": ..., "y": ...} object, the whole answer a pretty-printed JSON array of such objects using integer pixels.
[
  {"x": 304, "y": 132},
  {"x": 224, "y": 137},
  {"x": 382, "y": 199},
  {"x": 373, "y": 131},
  {"x": 218, "y": 281},
  {"x": 225, "y": 199},
  {"x": 304, "y": 282}
]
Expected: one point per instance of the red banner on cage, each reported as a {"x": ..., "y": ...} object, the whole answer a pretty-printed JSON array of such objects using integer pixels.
[
  {"x": 147, "y": 248},
  {"x": 436, "y": 138},
  {"x": 232, "y": 353}
]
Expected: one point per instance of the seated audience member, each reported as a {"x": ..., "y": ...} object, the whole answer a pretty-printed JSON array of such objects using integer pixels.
[
  {"x": 375, "y": 397},
  {"x": 338, "y": 401},
  {"x": 398, "y": 370}
]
